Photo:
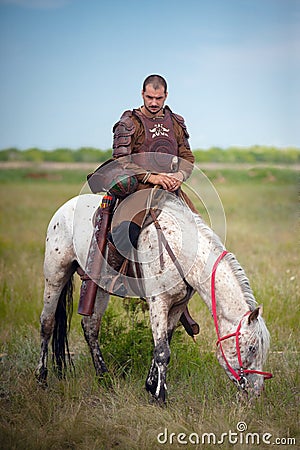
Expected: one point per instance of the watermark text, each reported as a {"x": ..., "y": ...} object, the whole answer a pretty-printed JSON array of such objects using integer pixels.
[{"x": 238, "y": 436}]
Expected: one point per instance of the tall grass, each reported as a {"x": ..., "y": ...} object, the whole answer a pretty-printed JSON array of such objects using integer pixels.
[{"x": 80, "y": 413}]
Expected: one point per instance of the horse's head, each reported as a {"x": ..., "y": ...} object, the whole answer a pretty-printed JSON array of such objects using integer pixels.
[{"x": 243, "y": 353}]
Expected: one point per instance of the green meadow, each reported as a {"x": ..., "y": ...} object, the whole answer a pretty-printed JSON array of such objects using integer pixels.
[{"x": 261, "y": 212}]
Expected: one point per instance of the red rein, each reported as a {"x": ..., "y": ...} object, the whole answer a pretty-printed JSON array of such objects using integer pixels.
[{"x": 238, "y": 376}]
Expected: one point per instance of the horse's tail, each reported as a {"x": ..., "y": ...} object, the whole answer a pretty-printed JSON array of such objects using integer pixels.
[{"x": 63, "y": 315}]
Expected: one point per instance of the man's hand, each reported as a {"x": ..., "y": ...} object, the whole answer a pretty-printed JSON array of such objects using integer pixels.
[{"x": 168, "y": 181}]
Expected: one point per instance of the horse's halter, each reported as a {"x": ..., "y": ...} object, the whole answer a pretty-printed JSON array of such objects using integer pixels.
[{"x": 240, "y": 375}]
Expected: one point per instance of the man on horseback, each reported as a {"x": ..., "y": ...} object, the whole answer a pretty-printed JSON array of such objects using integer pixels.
[
  {"x": 152, "y": 132},
  {"x": 154, "y": 128},
  {"x": 156, "y": 142}
]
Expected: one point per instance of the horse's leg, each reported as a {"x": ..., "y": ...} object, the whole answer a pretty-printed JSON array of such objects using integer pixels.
[
  {"x": 156, "y": 379},
  {"x": 52, "y": 291},
  {"x": 91, "y": 325},
  {"x": 59, "y": 266}
]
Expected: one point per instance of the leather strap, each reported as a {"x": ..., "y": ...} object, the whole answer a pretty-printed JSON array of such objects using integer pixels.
[{"x": 163, "y": 241}]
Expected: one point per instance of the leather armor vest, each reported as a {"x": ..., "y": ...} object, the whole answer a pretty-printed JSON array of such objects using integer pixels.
[{"x": 159, "y": 151}]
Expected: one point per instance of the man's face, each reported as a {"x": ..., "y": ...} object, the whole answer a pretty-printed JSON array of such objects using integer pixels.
[{"x": 154, "y": 99}]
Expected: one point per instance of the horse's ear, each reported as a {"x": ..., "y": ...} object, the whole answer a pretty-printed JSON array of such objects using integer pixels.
[{"x": 254, "y": 314}]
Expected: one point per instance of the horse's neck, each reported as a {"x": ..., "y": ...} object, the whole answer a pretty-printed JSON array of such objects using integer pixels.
[
  {"x": 229, "y": 295},
  {"x": 230, "y": 304},
  {"x": 198, "y": 258}
]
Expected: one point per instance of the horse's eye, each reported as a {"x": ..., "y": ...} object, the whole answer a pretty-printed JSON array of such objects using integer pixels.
[{"x": 252, "y": 349}]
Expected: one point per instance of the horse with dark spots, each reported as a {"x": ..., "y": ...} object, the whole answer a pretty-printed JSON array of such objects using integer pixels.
[{"x": 243, "y": 338}]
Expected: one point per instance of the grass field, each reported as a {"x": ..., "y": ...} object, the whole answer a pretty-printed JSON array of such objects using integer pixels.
[{"x": 261, "y": 211}]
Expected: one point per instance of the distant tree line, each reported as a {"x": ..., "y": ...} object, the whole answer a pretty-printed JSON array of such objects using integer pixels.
[
  {"x": 84, "y": 154},
  {"x": 253, "y": 154}
]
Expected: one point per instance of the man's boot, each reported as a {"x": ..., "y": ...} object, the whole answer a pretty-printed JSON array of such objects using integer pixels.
[
  {"x": 191, "y": 327},
  {"x": 121, "y": 243}
]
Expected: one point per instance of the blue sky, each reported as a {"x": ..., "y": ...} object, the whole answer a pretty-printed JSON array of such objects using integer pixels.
[{"x": 70, "y": 67}]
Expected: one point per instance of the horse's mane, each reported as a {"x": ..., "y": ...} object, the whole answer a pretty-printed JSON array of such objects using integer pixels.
[
  {"x": 207, "y": 232},
  {"x": 261, "y": 332}
]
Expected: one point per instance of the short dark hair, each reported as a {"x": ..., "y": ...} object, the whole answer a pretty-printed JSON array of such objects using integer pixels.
[{"x": 156, "y": 81}]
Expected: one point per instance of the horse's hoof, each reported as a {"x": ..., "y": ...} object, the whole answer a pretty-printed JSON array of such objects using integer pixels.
[
  {"x": 41, "y": 376},
  {"x": 157, "y": 401},
  {"x": 105, "y": 381},
  {"x": 41, "y": 381},
  {"x": 42, "y": 384}
]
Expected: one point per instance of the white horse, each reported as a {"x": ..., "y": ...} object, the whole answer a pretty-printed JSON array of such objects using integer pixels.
[{"x": 243, "y": 338}]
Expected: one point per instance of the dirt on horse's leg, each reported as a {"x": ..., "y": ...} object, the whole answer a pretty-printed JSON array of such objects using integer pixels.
[
  {"x": 47, "y": 321},
  {"x": 156, "y": 379},
  {"x": 91, "y": 326}
]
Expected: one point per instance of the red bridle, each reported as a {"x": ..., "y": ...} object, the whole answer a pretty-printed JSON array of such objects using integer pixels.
[{"x": 239, "y": 376}]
